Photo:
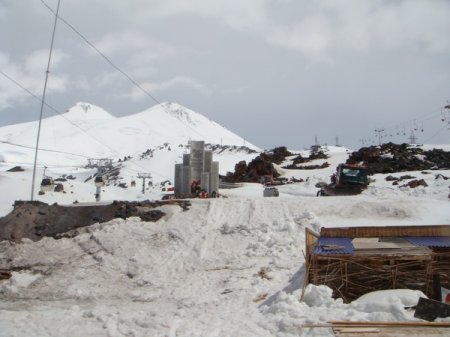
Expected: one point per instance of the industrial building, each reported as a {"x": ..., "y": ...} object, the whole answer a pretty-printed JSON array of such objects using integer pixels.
[{"x": 198, "y": 168}]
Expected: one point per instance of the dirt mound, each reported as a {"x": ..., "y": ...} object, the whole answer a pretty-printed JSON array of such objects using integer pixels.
[
  {"x": 259, "y": 167},
  {"x": 390, "y": 158},
  {"x": 35, "y": 219},
  {"x": 16, "y": 169}
]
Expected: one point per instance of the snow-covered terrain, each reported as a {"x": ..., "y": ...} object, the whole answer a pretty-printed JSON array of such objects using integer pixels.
[
  {"x": 230, "y": 266},
  {"x": 87, "y": 131}
]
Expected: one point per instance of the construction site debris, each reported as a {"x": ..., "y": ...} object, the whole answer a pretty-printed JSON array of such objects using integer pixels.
[
  {"x": 429, "y": 310},
  {"x": 35, "y": 219}
]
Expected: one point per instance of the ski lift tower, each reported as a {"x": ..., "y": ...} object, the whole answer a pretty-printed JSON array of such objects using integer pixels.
[
  {"x": 102, "y": 165},
  {"x": 144, "y": 176}
]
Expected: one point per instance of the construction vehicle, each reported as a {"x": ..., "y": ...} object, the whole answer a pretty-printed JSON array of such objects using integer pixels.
[
  {"x": 271, "y": 192},
  {"x": 349, "y": 179}
]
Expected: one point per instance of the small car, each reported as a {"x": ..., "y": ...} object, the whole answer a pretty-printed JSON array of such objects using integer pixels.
[{"x": 271, "y": 192}]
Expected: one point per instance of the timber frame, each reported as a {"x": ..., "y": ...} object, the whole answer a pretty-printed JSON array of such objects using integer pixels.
[{"x": 369, "y": 268}]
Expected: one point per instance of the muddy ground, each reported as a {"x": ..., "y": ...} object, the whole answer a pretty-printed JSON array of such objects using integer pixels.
[{"x": 35, "y": 220}]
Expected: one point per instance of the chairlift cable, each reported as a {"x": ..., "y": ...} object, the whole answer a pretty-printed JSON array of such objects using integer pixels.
[
  {"x": 108, "y": 60},
  {"x": 438, "y": 132}
]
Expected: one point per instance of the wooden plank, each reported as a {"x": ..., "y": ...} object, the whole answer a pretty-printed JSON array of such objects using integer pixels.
[
  {"x": 435, "y": 230},
  {"x": 357, "y": 330},
  {"x": 384, "y": 329},
  {"x": 418, "y": 253},
  {"x": 391, "y": 323},
  {"x": 398, "y": 332}
]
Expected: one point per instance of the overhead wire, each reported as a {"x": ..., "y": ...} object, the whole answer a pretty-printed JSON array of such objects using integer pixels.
[
  {"x": 40, "y": 165},
  {"x": 438, "y": 132},
  {"x": 68, "y": 120},
  {"x": 42, "y": 149},
  {"x": 112, "y": 64},
  {"x": 53, "y": 109},
  {"x": 413, "y": 124},
  {"x": 117, "y": 68}
]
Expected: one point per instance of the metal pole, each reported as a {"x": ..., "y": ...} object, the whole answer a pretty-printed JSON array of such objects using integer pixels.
[
  {"x": 43, "y": 102},
  {"x": 98, "y": 193},
  {"x": 99, "y": 188}
]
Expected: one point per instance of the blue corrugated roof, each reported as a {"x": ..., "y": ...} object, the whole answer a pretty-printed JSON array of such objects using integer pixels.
[
  {"x": 334, "y": 245},
  {"x": 430, "y": 241}
]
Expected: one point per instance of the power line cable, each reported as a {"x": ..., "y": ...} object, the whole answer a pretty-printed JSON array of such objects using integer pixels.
[
  {"x": 108, "y": 60},
  {"x": 135, "y": 83},
  {"x": 28, "y": 91},
  {"x": 438, "y": 132},
  {"x": 414, "y": 123},
  {"x": 40, "y": 165},
  {"x": 42, "y": 149},
  {"x": 68, "y": 120},
  {"x": 55, "y": 110}
]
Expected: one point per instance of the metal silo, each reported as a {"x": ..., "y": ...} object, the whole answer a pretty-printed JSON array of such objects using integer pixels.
[
  {"x": 178, "y": 178},
  {"x": 187, "y": 179},
  {"x": 208, "y": 156},
  {"x": 204, "y": 182},
  {"x": 196, "y": 160},
  {"x": 214, "y": 178},
  {"x": 186, "y": 159}
]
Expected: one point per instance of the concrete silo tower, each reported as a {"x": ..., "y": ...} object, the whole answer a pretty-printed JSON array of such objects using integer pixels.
[{"x": 197, "y": 166}]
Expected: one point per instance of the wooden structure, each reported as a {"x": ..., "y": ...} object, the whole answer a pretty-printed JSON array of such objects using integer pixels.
[
  {"x": 356, "y": 260},
  {"x": 383, "y": 329}
]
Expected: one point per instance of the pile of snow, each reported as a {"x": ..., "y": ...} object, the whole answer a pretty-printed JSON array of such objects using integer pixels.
[{"x": 205, "y": 271}]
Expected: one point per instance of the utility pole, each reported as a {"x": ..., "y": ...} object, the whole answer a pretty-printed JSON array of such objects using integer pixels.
[
  {"x": 43, "y": 102},
  {"x": 144, "y": 176},
  {"x": 412, "y": 138},
  {"x": 379, "y": 131}
]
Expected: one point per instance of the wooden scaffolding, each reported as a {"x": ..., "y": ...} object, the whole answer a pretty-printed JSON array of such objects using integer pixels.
[{"x": 379, "y": 258}]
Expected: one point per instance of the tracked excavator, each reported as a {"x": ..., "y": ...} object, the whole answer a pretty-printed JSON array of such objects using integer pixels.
[{"x": 349, "y": 179}]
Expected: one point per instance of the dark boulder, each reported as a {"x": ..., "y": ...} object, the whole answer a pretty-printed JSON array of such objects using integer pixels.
[
  {"x": 16, "y": 169},
  {"x": 59, "y": 187},
  {"x": 390, "y": 158}
]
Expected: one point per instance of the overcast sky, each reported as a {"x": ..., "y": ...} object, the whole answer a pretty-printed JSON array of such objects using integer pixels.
[{"x": 276, "y": 72}]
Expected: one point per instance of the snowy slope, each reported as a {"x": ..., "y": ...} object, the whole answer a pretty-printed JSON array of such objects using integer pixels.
[
  {"x": 232, "y": 266},
  {"x": 226, "y": 267},
  {"x": 205, "y": 272},
  {"x": 87, "y": 131}
]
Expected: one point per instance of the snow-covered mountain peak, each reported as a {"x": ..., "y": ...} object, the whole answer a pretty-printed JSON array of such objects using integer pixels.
[
  {"x": 86, "y": 111},
  {"x": 180, "y": 112}
]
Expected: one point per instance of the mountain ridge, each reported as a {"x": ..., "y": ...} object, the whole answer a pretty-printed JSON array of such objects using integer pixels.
[{"x": 90, "y": 131}]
